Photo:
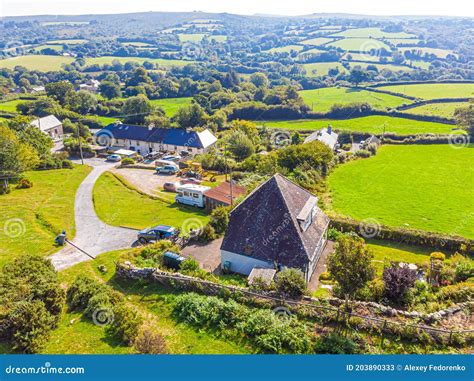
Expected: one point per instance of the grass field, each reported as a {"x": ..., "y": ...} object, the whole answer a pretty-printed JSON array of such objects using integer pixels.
[
  {"x": 117, "y": 205},
  {"x": 370, "y": 124},
  {"x": 372, "y": 32},
  {"x": 321, "y": 100},
  {"x": 10, "y": 106},
  {"x": 319, "y": 69},
  {"x": 191, "y": 37},
  {"x": 359, "y": 44},
  {"x": 380, "y": 67},
  {"x": 171, "y": 105},
  {"x": 440, "y": 53},
  {"x": 415, "y": 186},
  {"x": 136, "y": 43},
  {"x": 438, "y": 109},
  {"x": 403, "y": 41},
  {"x": 159, "y": 61},
  {"x": 36, "y": 62},
  {"x": 72, "y": 41},
  {"x": 57, "y": 48},
  {"x": 434, "y": 90},
  {"x": 76, "y": 334},
  {"x": 318, "y": 41},
  {"x": 285, "y": 49},
  {"x": 34, "y": 216}
]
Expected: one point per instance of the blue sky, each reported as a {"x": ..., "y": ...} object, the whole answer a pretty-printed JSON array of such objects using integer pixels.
[{"x": 282, "y": 7}]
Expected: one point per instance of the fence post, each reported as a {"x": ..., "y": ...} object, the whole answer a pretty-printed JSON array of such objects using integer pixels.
[{"x": 382, "y": 333}]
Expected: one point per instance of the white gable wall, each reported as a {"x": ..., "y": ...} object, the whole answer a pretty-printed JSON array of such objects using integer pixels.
[{"x": 243, "y": 264}]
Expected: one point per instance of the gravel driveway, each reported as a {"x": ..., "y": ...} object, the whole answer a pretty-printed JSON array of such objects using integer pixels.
[{"x": 92, "y": 235}]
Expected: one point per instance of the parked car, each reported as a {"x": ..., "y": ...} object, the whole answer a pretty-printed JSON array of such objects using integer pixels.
[
  {"x": 190, "y": 180},
  {"x": 157, "y": 233},
  {"x": 173, "y": 158},
  {"x": 192, "y": 174},
  {"x": 170, "y": 187},
  {"x": 114, "y": 158},
  {"x": 167, "y": 169}
]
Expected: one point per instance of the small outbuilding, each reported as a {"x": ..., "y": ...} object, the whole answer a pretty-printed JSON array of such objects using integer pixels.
[
  {"x": 224, "y": 194},
  {"x": 49, "y": 125}
]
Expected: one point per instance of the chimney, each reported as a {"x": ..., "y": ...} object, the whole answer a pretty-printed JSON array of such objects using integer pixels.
[
  {"x": 329, "y": 129},
  {"x": 151, "y": 126}
]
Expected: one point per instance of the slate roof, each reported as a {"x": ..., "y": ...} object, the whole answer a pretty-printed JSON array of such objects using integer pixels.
[
  {"x": 222, "y": 192},
  {"x": 46, "y": 123},
  {"x": 265, "y": 225},
  {"x": 171, "y": 136}
]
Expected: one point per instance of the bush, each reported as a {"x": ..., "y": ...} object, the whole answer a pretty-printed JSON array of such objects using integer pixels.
[
  {"x": 437, "y": 256},
  {"x": 81, "y": 291},
  {"x": 325, "y": 276},
  {"x": 457, "y": 293},
  {"x": 67, "y": 164},
  {"x": 207, "y": 234},
  {"x": 152, "y": 255},
  {"x": 126, "y": 323},
  {"x": 189, "y": 266},
  {"x": 334, "y": 343},
  {"x": 151, "y": 343},
  {"x": 24, "y": 184},
  {"x": 290, "y": 283},
  {"x": 363, "y": 153},
  {"x": 219, "y": 219},
  {"x": 333, "y": 234},
  {"x": 127, "y": 161},
  {"x": 397, "y": 281}
]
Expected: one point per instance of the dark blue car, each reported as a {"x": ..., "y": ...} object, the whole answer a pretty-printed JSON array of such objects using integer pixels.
[{"x": 157, "y": 233}]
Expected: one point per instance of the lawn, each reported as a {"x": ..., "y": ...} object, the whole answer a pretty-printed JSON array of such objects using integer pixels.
[
  {"x": 10, "y": 106},
  {"x": 428, "y": 187},
  {"x": 34, "y": 216},
  {"x": 434, "y": 90},
  {"x": 159, "y": 61},
  {"x": 319, "y": 69},
  {"x": 120, "y": 206},
  {"x": 438, "y": 109},
  {"x": 359, "y": 44},
  {"x": 57, "y": 48},
  {"x": 370, "y": 124},
  {"x": 321, "y": 100},
  {"x": 285, "y": 49},
  {"x": 318, "y": 41},
  {"x": 171, "y": 105},
  {"x": 372, "y": 32},
  {"x": 36, "y": 62},
  {"x": 76, "y": 335}
]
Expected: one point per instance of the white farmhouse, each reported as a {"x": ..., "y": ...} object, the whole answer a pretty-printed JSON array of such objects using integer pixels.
[{"x": 49, "y": 125}]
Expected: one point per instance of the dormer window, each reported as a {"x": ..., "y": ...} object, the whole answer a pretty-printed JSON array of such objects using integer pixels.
[{"x": 307, "y": 214}]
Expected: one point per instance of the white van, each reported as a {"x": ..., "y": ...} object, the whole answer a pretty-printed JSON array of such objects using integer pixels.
[{"x": 191, "y": 194}]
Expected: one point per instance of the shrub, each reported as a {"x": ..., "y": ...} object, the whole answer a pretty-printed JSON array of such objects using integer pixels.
[
  {"x": 220, "y": 219},
  {"x": 127, "y": 161},
  {"x": 333, "y": 234},
  {"x": 457, "y": 293},
  {"x": 437, "y": 256},
  {"x": 291, "y": 283},
  {"x": 334, "y": 343},
  {"x": 397, "y": 281},
  {"x": 325, "y": 276},
  {"x": 464, "y": 269},
  {"x": 98, "y": 302},
  {"x": 126, "y": 323},
  {"x": 81, "y": 291},
  {"x": 363, "y": 153},
  {"x": 189, "y": 266},
  {"x": 152, "y": 255},
  {"x": 207, "y": 234},
  {"x": 24, "y": 184},
  {"x": 67, "y": 164},
  {"x": 148, "y": 342}
]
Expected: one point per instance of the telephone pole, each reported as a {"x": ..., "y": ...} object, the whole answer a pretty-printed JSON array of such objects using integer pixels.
[{"x": 80, "y": 143}]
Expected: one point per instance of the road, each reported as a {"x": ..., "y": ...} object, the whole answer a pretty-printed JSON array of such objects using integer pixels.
[{"x": 92, "y": 235}]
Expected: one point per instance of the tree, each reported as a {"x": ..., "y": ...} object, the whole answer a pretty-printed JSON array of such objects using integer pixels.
[
  {"x": 351, "y": 265},
  {"x": 190, "y": 116},
  {"x": 220, "y": 219},
  {"x": 358, "y": 75},
  {"x": 109, "y": 90},
  {"x": 465, "y": 118},
  {"x": 260, "y": 80},
  {"x": 15, "y": 156},
  {"x": 398, "y": 280},
  {"x": 60, "y": 91},
  {"x": 296, "y": 138},
  {"x": 314, "y": 155},
  {"x": 136, "y": 109},
  {"x": 240, "y": 145},
  {"x": 83, "y": 102},
  {"x": 291, "y": 283},
  {"x": 248, "y": 128}
]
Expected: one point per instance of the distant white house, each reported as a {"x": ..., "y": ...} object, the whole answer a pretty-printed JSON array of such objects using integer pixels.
[
  {"x": 325, "y": 135},
  {"x": 49, "y": 125},
  {"x": 37, "y": 89},
  {"x": 91, "y": 85}
]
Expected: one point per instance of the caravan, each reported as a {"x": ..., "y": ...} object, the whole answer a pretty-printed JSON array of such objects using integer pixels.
[{"x": 191, "y": 194}]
